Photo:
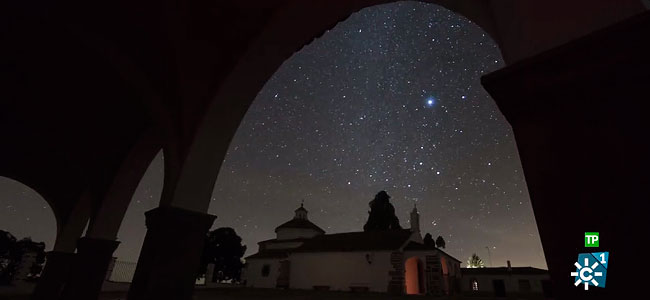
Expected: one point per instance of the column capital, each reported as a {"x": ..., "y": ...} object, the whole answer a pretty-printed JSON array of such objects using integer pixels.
[
  {"x": 166, "y": 216},
  {"x": 99, "y": 247},
  {"x": 89, "y": 270},
  {"x": 171, "y": 254}
]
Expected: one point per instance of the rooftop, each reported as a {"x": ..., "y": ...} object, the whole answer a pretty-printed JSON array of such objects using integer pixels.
[
  {"x": 356, "y": 241},
  {"x": 413, "y": 246},
  {"x": 271, "y": 253},
  {"x": 503, "y": 270},
  {"x": 300, "y": 223}
]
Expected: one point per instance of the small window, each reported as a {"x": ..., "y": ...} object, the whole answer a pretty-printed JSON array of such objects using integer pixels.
[
  {"x": 266, "y": 269},
  {"x": 474, "y": 284},
  {"x": 524, "y": 285}
]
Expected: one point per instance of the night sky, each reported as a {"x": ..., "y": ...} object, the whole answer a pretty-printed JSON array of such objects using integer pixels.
[{"x": 389, "y": 99}]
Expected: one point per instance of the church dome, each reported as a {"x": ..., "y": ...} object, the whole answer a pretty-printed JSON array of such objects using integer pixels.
[{"x": 298, "y": 227}]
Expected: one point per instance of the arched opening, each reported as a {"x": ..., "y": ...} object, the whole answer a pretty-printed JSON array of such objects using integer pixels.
[
  {"x": 415, "y": 120},
  {"x": 29, "y": 224},
  {"x": 414, "y": 276},
  {"x": 133, "y": 228}
]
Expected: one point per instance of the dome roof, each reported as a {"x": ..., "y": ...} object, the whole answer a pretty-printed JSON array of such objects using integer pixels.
[{"x": 300, "y": 224}]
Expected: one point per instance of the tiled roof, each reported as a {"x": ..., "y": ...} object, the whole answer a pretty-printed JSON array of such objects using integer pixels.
[
  {"x": 413, "y": 246},
  {"x": 300, "y": 223},
  {"x": 271, "y": 253},
  {"x": 356, "y": 241},
  {"x": 418, "y": 246},
  {"x": 503, "y": 271},
  {"x": 275, "y": 240}
]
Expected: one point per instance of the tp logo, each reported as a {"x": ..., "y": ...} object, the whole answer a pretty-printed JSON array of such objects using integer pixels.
[
  {"x": 591, "y": 239},
  {"x": 593, "y": 270}
]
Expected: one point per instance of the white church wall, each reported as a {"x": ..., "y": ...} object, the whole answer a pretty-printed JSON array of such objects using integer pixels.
[
  {"x": 511, "y": 281},
  {"x": 294, "y": 233},
  {"x": 341, "y": 270},
  {"x": 254, "y": 276}
]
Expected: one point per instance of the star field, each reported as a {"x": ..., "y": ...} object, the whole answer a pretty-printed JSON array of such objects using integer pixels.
[{"x": 390, "y": 99}]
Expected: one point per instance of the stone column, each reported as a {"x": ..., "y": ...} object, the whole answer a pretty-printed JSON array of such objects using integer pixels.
[
  {"x": 580, "y": 117},
  {"x": 89, "y": 270},
  {"x": 109, "y": 270},
  {"x": 396, "y": 274},
  {"x": 56, "y": 270},
  {"x": 209, "y": 275},
  {"x": 171, "y": 254}
]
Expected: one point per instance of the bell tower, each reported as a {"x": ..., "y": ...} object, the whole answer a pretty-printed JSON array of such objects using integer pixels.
[
  {"x": 415, "y": 219},
  {"x": 301, "y": 212}
]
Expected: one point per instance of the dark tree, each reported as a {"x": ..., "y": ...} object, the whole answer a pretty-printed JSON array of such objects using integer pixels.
[
  {"x": 26, "y": 245},
  {"x": 7, "y": 257},
  {"x": 440, "y": 242},
  {"x": 382, "y": 214},
  {"x": 428, "y": 240},
  {"x": 223, "y": 248},
  {"x": 11, "y": 255}
]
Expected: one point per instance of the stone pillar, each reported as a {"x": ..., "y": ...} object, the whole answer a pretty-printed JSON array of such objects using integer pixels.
[
  {"x": 56, "y": 270},
  {"x": 109, "y": 270},
  {"x": 89, "y": 270},
  {"x": 433, "y": 271},
  {"x": 396, "y": 284},
  {"x": 171, "y": 254},
  {"x": 209, "y": 275},
  {"x": 580, "y": 117}
]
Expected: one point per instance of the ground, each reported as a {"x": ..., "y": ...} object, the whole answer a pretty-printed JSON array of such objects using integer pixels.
[{"x": 252, "y": 294}]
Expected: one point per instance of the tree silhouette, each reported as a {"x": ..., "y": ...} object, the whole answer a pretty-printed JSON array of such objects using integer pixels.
[
  {"x": 11, "y": 254},
  {"x": 223, "y": 248},
  {"x": 7, "y": 257},
  {"x": 382, "y": 214},
  {"x": 475, "y": 262},
  {"x": 428, "y": 240},
  {"x": 440, "y": 242}
]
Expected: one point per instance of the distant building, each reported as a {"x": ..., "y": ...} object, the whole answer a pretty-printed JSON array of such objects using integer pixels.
[
  {"x": 511, "y": 282},
  {"x": 302, "y": 256}
]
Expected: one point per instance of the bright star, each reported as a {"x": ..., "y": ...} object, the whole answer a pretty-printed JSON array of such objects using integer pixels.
[{"x": 431, "y": 101}]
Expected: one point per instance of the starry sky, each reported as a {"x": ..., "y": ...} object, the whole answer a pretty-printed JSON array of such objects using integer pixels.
[{"x": 389, "y": 99}]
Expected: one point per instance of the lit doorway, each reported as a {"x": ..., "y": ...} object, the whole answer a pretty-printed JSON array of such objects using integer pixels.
[{"x": 414, "y": 277}]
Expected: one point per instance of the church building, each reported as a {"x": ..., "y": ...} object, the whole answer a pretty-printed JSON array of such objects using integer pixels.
[{"x": 303, "y": 256}]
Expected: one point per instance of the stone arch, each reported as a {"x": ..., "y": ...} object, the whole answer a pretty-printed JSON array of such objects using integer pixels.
[
  {"x": 107, "y": 217},
  {"x": 203, "y": 157},
  {"x": 517, "y": 28},
  {"x": 110, "y": 201},
  {"x": 138, "y": 206}
]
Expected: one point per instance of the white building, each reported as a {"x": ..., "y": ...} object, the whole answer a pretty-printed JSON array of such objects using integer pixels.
[
  {"x": 517, "y": 282},
  {"x": 302, "y": 256}
]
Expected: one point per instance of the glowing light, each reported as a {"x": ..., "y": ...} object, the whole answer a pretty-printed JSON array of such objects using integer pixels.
[{"x": 431, "y": 101}]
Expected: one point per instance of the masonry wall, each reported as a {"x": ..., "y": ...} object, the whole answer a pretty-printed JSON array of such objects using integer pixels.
[
  {"x": 341, "y": 270},
  {"x": 486, "y": 288},
  {"x": 253, "y": 273}
]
